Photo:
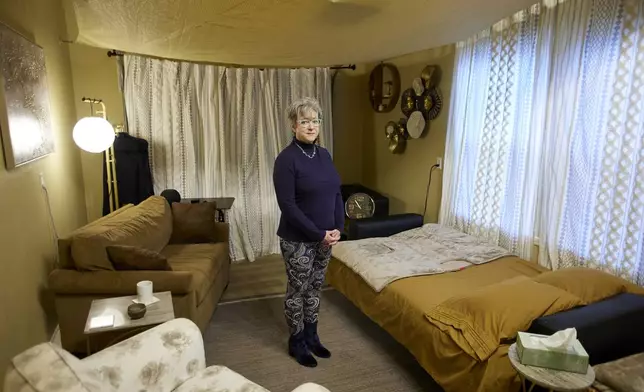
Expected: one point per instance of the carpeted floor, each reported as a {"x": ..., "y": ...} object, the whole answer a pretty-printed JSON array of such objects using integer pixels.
[{"x": 250, "y": 338}]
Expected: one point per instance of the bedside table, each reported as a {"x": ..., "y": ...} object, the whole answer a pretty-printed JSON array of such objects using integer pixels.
[
  {"x": 553, "y": 380},
  {"x": 156, "y": 313}
]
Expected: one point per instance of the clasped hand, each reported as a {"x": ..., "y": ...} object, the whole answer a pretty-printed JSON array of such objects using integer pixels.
[{"x": 332, "y": 237}]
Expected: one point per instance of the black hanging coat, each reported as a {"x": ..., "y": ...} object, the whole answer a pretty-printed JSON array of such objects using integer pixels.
[{"x": 133, "y": 174}]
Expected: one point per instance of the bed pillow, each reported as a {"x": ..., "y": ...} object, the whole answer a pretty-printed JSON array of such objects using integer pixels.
[
  {"x": 589, "y": 284},
  {"x": 482, "y": 320}
]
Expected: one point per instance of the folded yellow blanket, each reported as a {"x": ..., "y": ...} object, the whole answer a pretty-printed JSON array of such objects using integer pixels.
[{"x": 482, "y": 320}]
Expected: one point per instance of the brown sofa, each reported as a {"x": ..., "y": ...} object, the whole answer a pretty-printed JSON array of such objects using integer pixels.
[{"x": 198, "y": 278}]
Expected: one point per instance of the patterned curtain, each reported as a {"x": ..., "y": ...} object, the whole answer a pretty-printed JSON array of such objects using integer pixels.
[
  {"x": 216, "y": 131},
  {"x": 547, "y": 129},
  {"x": 602, "y": 220},
  {"x": 159, "y": 107},
  {"x": 490, "y": 158}
]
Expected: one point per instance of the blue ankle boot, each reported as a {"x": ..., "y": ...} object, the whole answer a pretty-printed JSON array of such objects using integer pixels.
[
  {"x": 312, "y": 341},
  {"x": 297, "y": 349}
]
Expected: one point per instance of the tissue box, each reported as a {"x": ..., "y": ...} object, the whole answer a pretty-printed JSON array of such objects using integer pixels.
[{"x": 572, "y": 359}]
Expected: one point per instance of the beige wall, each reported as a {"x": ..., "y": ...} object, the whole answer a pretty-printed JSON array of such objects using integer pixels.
[
  {"x": 349, "y": 92},
  {"x": 95, "y": 76},
  {"x": 26, "y": 239},
  {"x": 403, "y": 177}
]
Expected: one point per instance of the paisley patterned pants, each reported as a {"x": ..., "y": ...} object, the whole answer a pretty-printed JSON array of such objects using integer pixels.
[{"x": 306, "y": 264}]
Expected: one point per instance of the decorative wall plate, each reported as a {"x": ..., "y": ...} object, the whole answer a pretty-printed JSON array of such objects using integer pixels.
[
  {"x": 437, "y": 97},
  {"x": 408, "y": 102},
  {"x": 416, "y": 125},
  {"x": 420, "y": 104},
  {"x": 418, "y": 86},
  {"x": 397, "y": 144},
  {"x": 390, "y": 129},
  {"x": 430, "y": 103},
  {"x": 431, "y": 76},
  {"x": 402, "y": 128}
]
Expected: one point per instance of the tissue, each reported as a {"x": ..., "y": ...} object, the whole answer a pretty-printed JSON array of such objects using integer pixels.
[
  {"x": 560, "y": 351},
  {"x": 559, "y": 340}
]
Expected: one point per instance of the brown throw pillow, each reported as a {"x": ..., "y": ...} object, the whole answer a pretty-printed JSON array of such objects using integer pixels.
[
  {"x": 128, "y": 258},
  {"x": 193, "y": 223}
]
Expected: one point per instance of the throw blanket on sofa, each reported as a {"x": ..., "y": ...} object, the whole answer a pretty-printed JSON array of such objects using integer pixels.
[{"x": 431, "y": 249}]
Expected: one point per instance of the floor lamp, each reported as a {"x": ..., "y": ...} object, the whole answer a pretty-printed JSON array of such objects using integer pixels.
[{"x": 96, "y": 135}]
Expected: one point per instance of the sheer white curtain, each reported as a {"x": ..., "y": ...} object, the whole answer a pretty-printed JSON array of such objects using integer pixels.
[
  {"x": 237, "y": 125},
  {"x": 601, "y": 216},
  {"x": 490, "y": 158},
  {"x": 546, "y": 135}
]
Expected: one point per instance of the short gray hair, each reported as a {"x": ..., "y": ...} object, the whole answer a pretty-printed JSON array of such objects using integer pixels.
[{"x": 301, "y": 106}]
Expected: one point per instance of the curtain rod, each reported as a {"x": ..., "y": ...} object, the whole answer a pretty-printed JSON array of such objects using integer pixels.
[{"x": 112, "y": 53}]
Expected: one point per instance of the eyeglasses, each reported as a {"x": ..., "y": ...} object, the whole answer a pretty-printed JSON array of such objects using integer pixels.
[{"x": 306, "y": 123}]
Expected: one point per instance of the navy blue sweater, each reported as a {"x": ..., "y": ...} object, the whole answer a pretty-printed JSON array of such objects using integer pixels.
[{"x": 308, "y": 193}]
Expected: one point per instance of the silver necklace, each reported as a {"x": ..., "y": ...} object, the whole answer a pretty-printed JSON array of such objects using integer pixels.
[{"x": 315, "y": 149}]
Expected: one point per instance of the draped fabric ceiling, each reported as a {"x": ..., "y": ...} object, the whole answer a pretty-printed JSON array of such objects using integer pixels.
[{"x": 280, "y": 32}]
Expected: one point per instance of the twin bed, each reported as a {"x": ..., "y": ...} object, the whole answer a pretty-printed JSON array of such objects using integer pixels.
[{"x": 460, "y": 322}]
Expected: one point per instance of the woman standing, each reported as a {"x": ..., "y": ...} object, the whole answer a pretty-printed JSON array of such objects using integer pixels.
[{"x": 308, "y": 193}]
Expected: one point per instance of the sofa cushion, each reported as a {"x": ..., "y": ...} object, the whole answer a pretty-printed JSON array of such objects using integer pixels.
[
  {"x": 193, "y": 223},
  {"x": 133, "y": 258},
  {"x": 148, "y": 225},
  {"x": 203, "y": 260},
  {"x": 65, "y": 259}
]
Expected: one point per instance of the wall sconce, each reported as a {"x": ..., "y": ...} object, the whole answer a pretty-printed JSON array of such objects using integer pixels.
[{"x": 96, "y": 135}]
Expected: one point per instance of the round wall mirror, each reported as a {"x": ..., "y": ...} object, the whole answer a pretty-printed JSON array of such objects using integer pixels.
[{"x": 384, "y": 87}]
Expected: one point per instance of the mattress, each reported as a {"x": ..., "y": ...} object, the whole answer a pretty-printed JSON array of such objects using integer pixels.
[{"x": 400, "y": 309}]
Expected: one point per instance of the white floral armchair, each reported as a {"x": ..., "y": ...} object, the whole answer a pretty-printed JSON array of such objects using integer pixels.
[{"x": 169, "y": 357}]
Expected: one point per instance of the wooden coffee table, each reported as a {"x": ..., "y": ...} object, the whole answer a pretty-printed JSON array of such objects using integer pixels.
[
  {"x": 157, "y": 313},
  {"x": 553, "y": 380}
]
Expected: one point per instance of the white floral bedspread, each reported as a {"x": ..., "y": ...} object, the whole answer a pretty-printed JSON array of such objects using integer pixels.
[{"x": 427, "y": 250}]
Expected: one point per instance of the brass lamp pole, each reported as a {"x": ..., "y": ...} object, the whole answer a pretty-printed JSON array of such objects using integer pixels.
[{"x": 110, "y": 160}]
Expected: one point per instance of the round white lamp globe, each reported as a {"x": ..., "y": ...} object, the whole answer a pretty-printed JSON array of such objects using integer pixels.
[{"x": 93, "y": 134}]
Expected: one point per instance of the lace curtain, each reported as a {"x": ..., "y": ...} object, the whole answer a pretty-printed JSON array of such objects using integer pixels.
[
  {"x": 216, "y": 131},
  {"x": 546, "y": 135}
]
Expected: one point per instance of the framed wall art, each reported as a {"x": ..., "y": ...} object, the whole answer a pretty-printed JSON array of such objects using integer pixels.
[{"x": 25, "y": 121}]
